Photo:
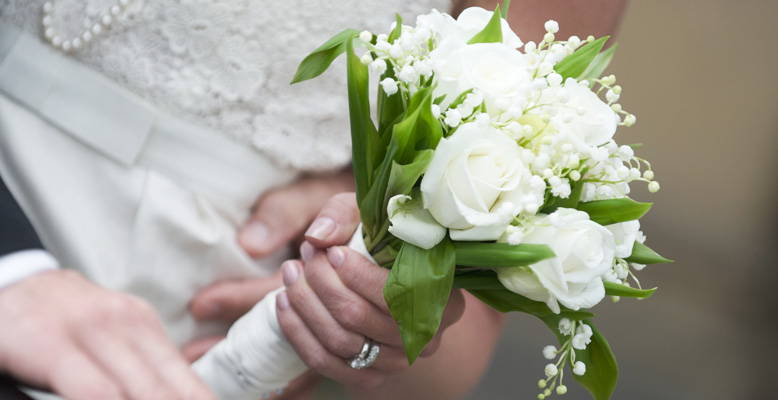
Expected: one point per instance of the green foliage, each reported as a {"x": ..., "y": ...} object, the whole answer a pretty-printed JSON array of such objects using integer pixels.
[
  {"x": 320, "y": 59},
  {"x": 478, "y": 280},
  {"x": 492, "y": 32},
  {"x": 398, "y": 28},
  {"x": 503, "y": 300},
  {"x": 571, "y": 201},
  {"x": 642, "y": 254},
  {"x": 417, "y": 291},
  {"x": 505, "y": 6},
  {"x": 606, "y": 212},
  {"x": 364, "y": 136},
  {"x": 495, "y": 255},
  {"x": 602, "y": 372},
  {"x": 615, "y": 289},
  {"x": 599, "y": 64},
  {"x": 575, "y": 64}
]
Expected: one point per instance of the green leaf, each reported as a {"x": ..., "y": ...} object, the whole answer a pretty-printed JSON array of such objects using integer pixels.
[
  {"x": 492, "y": 32},
  {"x": 602, "y": 372},
  {"x": 642, "y": 254},
  {"x": 398, "y": 28},
  {"x": 505, "y": 301},
  {"x": 403, "y": 177},
  {"x": 505, "y": 6},
  {"x": 390, "y": 108},
  {"x": 570, "y": 202},
  {"x": 615, "y": 289},
  {"x": 599, "y": 64},
  {"x": 320, "y": 59},
  {"x": 364, "y": 137},
  {"x": 575, "y": 64},
  {"x": 494, "y": 255},
  {"x": 417, "y": 292},
  {"x": 478, "y": 280},
  {"x": 606, "y": 212}
]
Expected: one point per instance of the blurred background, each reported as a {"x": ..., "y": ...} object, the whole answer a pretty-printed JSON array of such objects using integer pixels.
[{"x": 700, "y": 75}]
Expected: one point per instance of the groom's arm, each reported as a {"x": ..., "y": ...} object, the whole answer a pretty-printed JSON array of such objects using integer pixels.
[{"x": 21, "y": 251}]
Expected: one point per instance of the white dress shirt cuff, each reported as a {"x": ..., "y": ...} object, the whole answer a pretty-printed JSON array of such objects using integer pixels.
[{"x": 22, "y": 264}]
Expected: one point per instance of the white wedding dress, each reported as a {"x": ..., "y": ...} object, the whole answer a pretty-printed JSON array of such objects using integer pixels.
[{"x": 139, "y": 154}]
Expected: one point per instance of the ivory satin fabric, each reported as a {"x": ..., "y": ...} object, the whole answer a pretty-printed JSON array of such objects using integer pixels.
[{"x": 137, "y": 201}]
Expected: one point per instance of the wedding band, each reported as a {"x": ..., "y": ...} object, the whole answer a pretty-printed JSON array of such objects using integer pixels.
[{"x": 367, "y": 356}]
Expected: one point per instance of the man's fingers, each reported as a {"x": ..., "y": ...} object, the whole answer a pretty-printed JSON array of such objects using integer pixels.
[
  {"x": 195, "y": 349},
  {"x": 360, "y": 275},
  {"x": 228, "y": 300},
  {"x": 164, "y": 360},
  {"x": 76, "y": 376},
  {"x": 283, "y": 214},
  {"x": 336, "y": 222}
]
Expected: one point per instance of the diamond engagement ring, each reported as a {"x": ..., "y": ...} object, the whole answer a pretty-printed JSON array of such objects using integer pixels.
[{"x": 367, "y": 356}]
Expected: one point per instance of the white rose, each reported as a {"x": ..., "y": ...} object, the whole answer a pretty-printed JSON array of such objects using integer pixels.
[
  {"x": 624, "y": 234},
  {"x": 496, "y": 71},
  {"x": 477, "y": 182},
  {"x": 582, "y": 117},
  {"x": 455, "y": 33},
  {"x": 584, "y": 253}
]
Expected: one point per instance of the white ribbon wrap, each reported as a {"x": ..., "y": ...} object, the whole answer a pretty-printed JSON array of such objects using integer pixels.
[{"x": 255, "y": 359}]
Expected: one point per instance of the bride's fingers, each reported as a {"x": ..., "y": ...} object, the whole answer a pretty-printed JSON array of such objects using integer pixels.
[
  {"x": 228, "y": 300},
  {"x": 315, "y": 355},
  {"x": 336, "y": 222},
  {"x": 307, "y": 305},
  {"x": 282, "y": 214},
  {"x": 360, "y": 275},
  {"x": 349, "y": 308}
]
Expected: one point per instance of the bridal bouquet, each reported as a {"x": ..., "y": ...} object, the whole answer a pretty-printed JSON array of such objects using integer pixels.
[{"x": 489, "y": 165}]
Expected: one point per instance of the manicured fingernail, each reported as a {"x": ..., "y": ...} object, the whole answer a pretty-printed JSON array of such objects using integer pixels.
[
  {"x": 321, "y": 228},
  {"x": 306, "y": 251},
  {"x": 254, "y": 235},
  {"x": 336, "y": 256},
  {"x": 282, "y": 300},
  {"x": 290, "y": 272}
]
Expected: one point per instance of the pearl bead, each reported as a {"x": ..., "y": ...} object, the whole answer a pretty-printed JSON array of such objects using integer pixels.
[
  {"x": 66, "y": 45},
  {"x": 76, "y": 43},
  {"x": 86, "y": 36},
  {"x": 115, "y": 10},
  {"x": 107, "y": 20},
  {"x": 49, "y": 33},
  {"x": 48, "y": 7},
  {"x": 56, "y": 41},
  {"x": 46, "y": 21},
  {"x": 96, "y": 29}
]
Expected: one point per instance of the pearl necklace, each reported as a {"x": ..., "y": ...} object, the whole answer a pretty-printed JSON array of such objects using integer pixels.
[{"x": 71, "y": 44}]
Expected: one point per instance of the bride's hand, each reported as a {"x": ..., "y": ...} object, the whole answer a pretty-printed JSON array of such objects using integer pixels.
[
  {"x": 334, "y": 300},
  {"x": 279, "y": 217}
]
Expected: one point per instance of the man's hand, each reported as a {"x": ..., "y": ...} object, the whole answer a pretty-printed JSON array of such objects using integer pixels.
[
  {"x": 82, "y": 341},
  {"x": 278, "y": 219}
]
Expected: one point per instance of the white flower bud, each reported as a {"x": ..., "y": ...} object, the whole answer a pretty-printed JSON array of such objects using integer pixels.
[
  {"x": 638, "y": 267},
  {"x": 611, "y": 96},
  {"x": 549, "y": 352},
  {"x": 365, "y": 36},
  {"x": 575, "y": 41},
  {"x": 653, "y": 186},
  {"x": 389, "y": 85},
  {"x": 366, "y": 59},
  {"x": 530, "y": 47},
  {"x": 554, "y": 79},
  {"x": 407, "y": 74},
  {"x": 616, "y": 107},
  {"x": 551, "y": 370},
  {"x": 579, "y": 368},
  {"x": 378, "y": 66},
  {"x": 561, "y": 389},
  {"x": 436, "y": 111},
  {"x": 453, "y": 118},
  {"x": 548, "y": 37},
  {"x": 565, "y": 326},
  {"x": 579, "y": 342},
  {"x": 649, "y": 174},
  {"x": 630, "y": 120},
  {"x": 575, "y": 175},
  {"x": 542, "y": 383},
  {"x": 396, "y": 51},
  {"x": 616, "y": 89},
  {"x": 551, "y": 26}
]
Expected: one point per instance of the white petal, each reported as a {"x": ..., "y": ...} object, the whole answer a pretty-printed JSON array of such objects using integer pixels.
[{"x": 411, "y": 223}]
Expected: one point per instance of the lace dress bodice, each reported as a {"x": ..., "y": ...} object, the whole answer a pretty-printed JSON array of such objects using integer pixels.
[{"x": 227, "y": 64}]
